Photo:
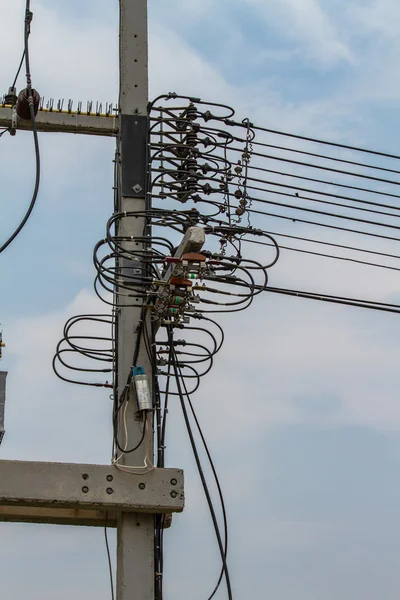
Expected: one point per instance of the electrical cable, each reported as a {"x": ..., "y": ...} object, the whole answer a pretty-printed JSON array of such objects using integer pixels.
[
  {"x": 325, "y": 157},
  {"x": 379, "y": 306},
  {"x": 28, "y": 18},
  {"x": 221, "y": 496},
  {"x": 324, "y": 255},
  {"x": 199, "y": 157},
  {"x": 317, "y": 224},
  {"x": 19, "y": 68},
  {"x": 325, "y": 243},
  {"x": 179, "y": 379},
  {"x": 110, "y": 569},
  {"x": 323, "y": 142}
]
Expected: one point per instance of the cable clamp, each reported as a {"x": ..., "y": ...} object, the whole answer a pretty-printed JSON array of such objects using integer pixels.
[{"x": 14, "y": 120}]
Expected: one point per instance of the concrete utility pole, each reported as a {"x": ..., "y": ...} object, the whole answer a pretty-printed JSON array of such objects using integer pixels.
[
  {"x": 135, "y": 533},
  {"x": 76, "y": 494}
]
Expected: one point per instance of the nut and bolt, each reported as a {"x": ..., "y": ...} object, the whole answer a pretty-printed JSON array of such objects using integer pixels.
[
  {"x": 85, "y": 489},
  {"x": 85, "y": 476},
  {"x": 109, "y": 491},
  {"x": 174, "y": 494},
  {"x": 174, "y": 481},
  {"x": 110, "y": 477},
  {"x": 142, "y": 486}
]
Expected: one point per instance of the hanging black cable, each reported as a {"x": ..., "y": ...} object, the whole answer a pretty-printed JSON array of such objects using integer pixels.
[
  {"x": 28, "y": 19},
  {"x": 110, "y": 570},
  {"x": 180, "y": 379},
  {"x": 19, "y": 68}
]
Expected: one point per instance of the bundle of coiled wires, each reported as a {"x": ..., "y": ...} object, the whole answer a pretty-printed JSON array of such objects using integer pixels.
[{"x": 132, "y": 271}]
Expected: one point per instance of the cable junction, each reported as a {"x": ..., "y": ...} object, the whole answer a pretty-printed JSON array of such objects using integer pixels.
[{"x": 204, "y": 250}]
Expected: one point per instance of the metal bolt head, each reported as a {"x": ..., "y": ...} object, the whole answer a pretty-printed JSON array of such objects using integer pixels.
[
  {"x": 142, "y": 486},
  {"x": 85, "y": 489},
  {"x": 85, "y": 476},
  {"x": 174, "y": 494},
  {"x": 109, "y": 491},
  {"x": 137, "y": 188},
  {"x": 174, "y": 481},
  {"x": 109, "y": 478}
]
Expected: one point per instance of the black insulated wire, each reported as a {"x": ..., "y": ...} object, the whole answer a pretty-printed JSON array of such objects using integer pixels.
[{"x": 28, "y": 18}]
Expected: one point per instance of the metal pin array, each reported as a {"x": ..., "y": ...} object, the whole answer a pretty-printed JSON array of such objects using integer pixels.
[{"x": 52, "y": 106}]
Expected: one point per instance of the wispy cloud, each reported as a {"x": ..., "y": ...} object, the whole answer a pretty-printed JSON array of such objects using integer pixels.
[{"x": 305, "y": 23}]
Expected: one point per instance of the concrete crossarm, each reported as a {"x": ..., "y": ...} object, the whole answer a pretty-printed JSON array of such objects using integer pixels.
[
  {"x": 84, "y": 492},
  {"x": 64, "y": 122}
]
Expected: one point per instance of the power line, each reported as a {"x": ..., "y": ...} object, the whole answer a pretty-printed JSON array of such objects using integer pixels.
[
  {"x": 331, "y": 256},
  {"x": 28, "y": 19},
  {"x": 324, "y": 213},
  {"x": 324, "y": 142},
  {"x": 326, "y": 183},
  {"x": 325, "y": 157},
  {"x": 110, "y": 569},
  {"x": 331, "y": 244},
  {"x": 379, "y": 306},
  {"x": 327, "y": 225},
  {"x": 19, "y": 68},
  {"x": 222, "y": 549}
]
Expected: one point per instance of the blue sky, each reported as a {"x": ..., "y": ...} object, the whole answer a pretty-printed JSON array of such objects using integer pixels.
[{"x": 302, "y": 407}]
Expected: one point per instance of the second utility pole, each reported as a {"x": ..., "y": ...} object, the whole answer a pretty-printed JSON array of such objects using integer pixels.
[{"x": 135, "y": 532}]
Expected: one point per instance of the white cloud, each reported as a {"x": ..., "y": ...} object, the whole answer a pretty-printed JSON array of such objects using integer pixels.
[
  {"x": 43, "y": 413},
  {"x": 376, "y": 17},
  {"x": 79, "y": 63},
  {"x": 305, "y": 23},
  {"x": 280, "y": 351}
]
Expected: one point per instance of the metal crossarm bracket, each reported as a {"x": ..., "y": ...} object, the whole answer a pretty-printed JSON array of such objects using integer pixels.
[
  {"x": 193, "y": 241},
  {"x": 76, "y": 494}
]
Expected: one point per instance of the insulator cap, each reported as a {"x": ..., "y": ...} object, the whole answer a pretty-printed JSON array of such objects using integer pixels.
[
  {"x": 180, "y": 282},
  {"x": 23, "y": 110},
  {"x": 194, "y": 257},
  {"x": 11, "y": 97}
]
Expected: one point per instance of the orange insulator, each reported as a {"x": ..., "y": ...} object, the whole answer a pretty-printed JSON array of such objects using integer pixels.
[{"x": 194, "y": 257}]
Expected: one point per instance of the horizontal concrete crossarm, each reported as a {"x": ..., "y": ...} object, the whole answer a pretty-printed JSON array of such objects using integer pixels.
[
  {"x": 84, "y": 493},
  {"x": 64, "y": 122}
]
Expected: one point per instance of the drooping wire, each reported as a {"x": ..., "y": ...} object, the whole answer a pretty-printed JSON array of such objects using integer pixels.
[
  {"x": 28, "y": 19},
  {"x": 181, "y": 383},
  {"x": 19, "y": 68},
  {"x": 110, "y": 569}
]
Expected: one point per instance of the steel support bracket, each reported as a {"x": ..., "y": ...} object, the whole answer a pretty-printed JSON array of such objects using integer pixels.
[
  {"x": 134, "y": 139},
  {"x": 75, "y": 494}
]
